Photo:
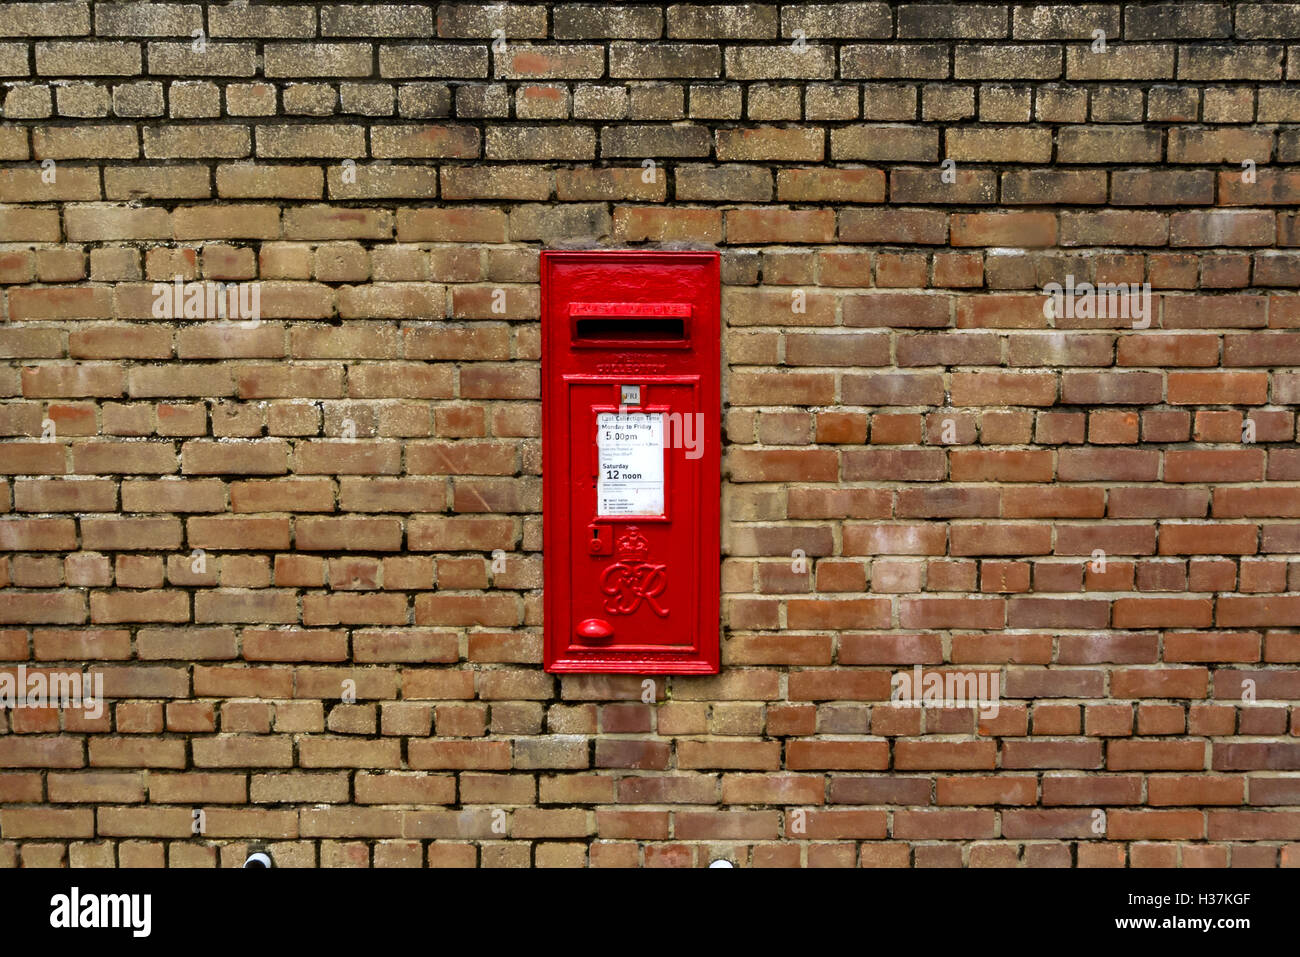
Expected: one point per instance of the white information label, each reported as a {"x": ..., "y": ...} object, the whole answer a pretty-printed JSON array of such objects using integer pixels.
[{"x": 631, "y": 463}]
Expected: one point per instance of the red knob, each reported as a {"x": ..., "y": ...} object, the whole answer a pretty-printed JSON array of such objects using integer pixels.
[{"x": 595, "y": 629}]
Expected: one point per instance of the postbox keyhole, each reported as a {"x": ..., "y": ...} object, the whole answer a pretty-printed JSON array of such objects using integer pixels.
[{"x": 602, "y": 540}]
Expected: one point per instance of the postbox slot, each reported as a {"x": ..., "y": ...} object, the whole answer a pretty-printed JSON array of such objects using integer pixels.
[
  {"x": 630, "y": 324},
  {"x": 633, "y": 328}
]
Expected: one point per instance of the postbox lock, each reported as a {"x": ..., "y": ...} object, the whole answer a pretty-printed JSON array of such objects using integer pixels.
[
  {"x": 601, "y": 541},
  {"x": 595, "y": 629}
]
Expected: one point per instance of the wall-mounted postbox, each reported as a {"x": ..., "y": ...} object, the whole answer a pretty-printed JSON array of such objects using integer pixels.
[{"x": 630, "y": 468}]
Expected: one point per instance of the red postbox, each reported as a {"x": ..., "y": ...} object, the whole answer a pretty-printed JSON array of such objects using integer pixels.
[{"x": 631, "y": 404}]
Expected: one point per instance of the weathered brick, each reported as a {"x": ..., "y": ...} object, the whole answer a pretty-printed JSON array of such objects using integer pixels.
[
  {"x": 87, "y": 58},
  {"x": 557, "y": 61},
  {"x": 447, "y": 142},
  {"x": 284, "y": 141},
  {"x": 540, "y": 143},
  {"x": 83, "y": 142},
  {"x": 443, "y": 60},
  {"x": 655, "y": 140},
  {"x": 741, "y": 21},
  {"x": 878, "y": 61},
  {"x": 677, "y": 60},
  {"x": 1008, "y": 63},
  {"x": 481, "y": 19},
  {"x": 1164, "y": 21},
  {"x": 880, "y": 143},
  {"x": 217, "y": 59}
]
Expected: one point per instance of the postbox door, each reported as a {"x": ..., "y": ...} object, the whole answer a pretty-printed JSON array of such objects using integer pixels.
[{"x": 634, "y": 587}]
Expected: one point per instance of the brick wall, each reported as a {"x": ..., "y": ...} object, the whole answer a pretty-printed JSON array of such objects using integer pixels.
[{"x": 274, "y": 538}]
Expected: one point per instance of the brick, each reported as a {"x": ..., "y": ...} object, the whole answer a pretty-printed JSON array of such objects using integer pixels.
[
  {"x": 540, "y": 143},
  {"x": 1108, "y": 144},
  {"x": 1216, "y": 62},
  {"x": 463, "y": 224},
  {"x": 701, "y": 225},
  {"x": 81, "y": 142},
  {"x": 886, "y": 61},
  {"x": 1008, "y": 63},
  {"x": 1176, "y": 20},
  {"x": 812, "y": 62},
  {"x": 655, "y": 140},
  {"x": 776, "y": 224},
  {"x": 523, "y": 61},
  {"x": 769, "y": 143},
  {"x": 1003, "y": 229},
  {"x": 27, "y": 185},
  {"x": 1225, "y": 145},
  {"x": 1161, "y": 187},
  {"x": 597, "y": 22},
  {"x": 87, "y": 58},
  {"x": 741, "y": 21},
  {"x": 1066, "y": 187},
  {"x": 929, "y": 227},
  {"x": 664, "y": 60},
  {"x": 880, "y": 143},
  {"x": 850, "y": 20},
  {"x": 498, "y": 182},
  {"x": 284, "y": 141}
]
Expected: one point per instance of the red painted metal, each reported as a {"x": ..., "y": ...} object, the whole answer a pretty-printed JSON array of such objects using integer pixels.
[{"x": 631, "y": 405}]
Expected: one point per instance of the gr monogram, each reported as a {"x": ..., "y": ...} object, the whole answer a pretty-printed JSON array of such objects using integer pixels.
[{"x": 630, "y": 580}]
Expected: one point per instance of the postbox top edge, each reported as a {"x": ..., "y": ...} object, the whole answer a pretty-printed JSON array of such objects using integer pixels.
[{"x": 639, "y": 255}]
